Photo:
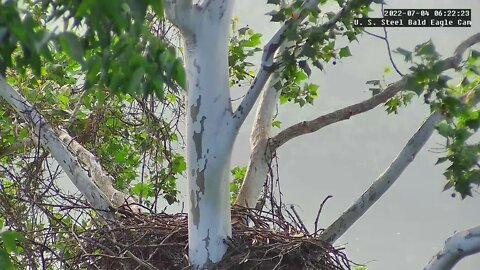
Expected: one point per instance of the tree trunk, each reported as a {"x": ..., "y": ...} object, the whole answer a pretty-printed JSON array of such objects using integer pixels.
[{"x": 210, "y": 130}]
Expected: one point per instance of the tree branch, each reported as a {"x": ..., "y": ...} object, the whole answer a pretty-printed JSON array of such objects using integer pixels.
[
  {"x": 260, "y": 155},
  {"x": 457, "y": 247},
  {"x": 268, "y": 66},
  {"x": 101, "y": 178},
  {"x": 384, "y": 181},
  {"x": 314, "y": 125},
  {"x": 65, "y": 159}
]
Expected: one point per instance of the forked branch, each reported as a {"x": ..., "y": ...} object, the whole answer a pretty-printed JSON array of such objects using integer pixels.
[{"x": 268, "y": 66}]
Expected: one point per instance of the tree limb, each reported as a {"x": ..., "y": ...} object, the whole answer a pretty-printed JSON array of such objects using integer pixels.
[
  {"x": 384, "y": 181},
  {"x": 457, "y": 247},
  {"x": 314, "y": 125},
  {"x": 267, "y": 66},
  {"x": 260, "y": 156},
  {"x": 101, "y": 178},
  {"x": 306, "y": 127},
  {"x": 44, "y": 132}
]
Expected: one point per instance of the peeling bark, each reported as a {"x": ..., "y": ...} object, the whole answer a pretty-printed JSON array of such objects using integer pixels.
[{"x": 210, "y": 132}]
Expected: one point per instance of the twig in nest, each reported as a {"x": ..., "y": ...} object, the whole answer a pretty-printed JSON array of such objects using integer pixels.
[{"x": 316, "y": 230}]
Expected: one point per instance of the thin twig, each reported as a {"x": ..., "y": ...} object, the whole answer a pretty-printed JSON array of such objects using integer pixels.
[{"x": 318, "y": 214}]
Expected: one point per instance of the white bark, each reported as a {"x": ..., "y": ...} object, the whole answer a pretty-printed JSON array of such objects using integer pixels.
[
  {"x": 406, "y": 156},
  {"x": 262, "y": 149},
  {"x": 383, "y": 182},
  {"x": 50, "y": 140},
  {"x": 210, "y": 132},
  {"x": 457, "y": 247},
  {"x": 102, "y": 179},
  {"x": 260, "y": 154}
]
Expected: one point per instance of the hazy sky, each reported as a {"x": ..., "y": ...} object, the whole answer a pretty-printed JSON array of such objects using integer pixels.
[{"x": 410, "y": 223}]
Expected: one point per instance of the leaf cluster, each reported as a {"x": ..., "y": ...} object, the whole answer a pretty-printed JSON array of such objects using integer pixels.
[
  {"x": 110, "y": 40},
  {"x": 311, "y": 44},
  {"x": 456, "y": 99}
]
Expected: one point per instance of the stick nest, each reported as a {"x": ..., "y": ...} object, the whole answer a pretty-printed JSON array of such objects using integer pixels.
[{"x": 160, "y": 241}]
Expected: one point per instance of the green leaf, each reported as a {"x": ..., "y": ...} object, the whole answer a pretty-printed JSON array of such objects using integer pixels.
[
  {"x": 444, "y": 129},
  {"x": 120, "y": 156},
  {"x": 441, "y": 160},
  {"x": 171, "y": 97},
  {"x": 70, "y": 43},
  {"x": 275, "y": 2},
  {"x": 157, "y": 7},
  {"x": 5, "y": 261},
  {"x": 278, "y": 17},
  {"x": 407, "y": 54},
  {"x": 448, "y": 185},
  {"x": 276, "y": 123},
  {"x": 413, "y": 85},
  {"x": 179, "y": 74},
  {"x": 10, "y": 239},
  {"x": 178, "y": 164},
  {"x": 142, "y": 189},
  {"x": 426, "y": 49},
  {"x": 344, "y": 52},
  {"x": 253, "y": 41},
  {"x": 136, "y": 78},
  {"x": 283, "y": 99},
  {"x": 300, "y": 75}
]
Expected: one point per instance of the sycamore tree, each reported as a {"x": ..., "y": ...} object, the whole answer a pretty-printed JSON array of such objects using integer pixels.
[{"x": 98, "y": 88}]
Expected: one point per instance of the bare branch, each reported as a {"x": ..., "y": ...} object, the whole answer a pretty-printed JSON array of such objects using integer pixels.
[
  {"x": 314, "y": 125},
  {"x": 311, "y": 126},
  {"x": 268, "y": 66},
  {"x": 457, "y": 247},
  {"x": 383, "y": 182},
  {"x": 65, "y": 159}
]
